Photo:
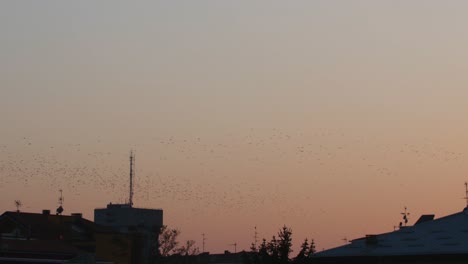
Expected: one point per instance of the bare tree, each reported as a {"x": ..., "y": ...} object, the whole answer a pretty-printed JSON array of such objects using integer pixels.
[
  {"x": 168, "y": 241},
  {"x": 189, "y": 248}
]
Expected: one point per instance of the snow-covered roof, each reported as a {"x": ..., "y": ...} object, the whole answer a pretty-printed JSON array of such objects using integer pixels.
[{"x": 446, "y": 235}]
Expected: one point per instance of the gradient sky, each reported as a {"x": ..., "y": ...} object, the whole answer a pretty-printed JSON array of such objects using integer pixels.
[{"x": 327, "y": 116}]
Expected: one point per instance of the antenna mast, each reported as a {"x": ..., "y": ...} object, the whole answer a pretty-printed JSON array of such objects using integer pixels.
[
  {"x": 18, "y": 204},
  {"x": 405, "y": 217},
  {"x": 466, "y": 193},
  {"x": 203, "y": 248},
  {"x": 132, "y": 160},
  {"x": 255, "y": 237},
  {"x": 235, "y": 246},
  {"x": 61, "y": 199}
]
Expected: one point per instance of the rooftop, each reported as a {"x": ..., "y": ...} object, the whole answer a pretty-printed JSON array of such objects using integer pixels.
[
  {"x": 51, "y": 227},
  {"x": 446, "y": 235}
]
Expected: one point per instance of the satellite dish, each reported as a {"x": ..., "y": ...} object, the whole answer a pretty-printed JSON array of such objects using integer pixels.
[{"x": 59, "y": 210}]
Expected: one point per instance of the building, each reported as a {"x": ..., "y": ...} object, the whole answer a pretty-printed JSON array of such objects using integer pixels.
[
  {"x": 429, "y": 240},
  {"x": 41, "y": 251},
  {"x": 48, "y": 238},
  {"x": 140, "y": 225},
  {"x": 143, "y": 224},
  {"x": 207, "y": 258}
]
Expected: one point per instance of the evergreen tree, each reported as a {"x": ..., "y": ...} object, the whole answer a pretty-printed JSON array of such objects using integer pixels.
[
  {"x": 312, "y": 249},
  {"x": 303, "y": 254},
  {"x": 263, "y": 254},
  {"x": 252, "y": 256},
  {"x": 272, "y": 248},
  {"x": 284, "y": 245},
  {"x": 253, "y": 248},
  {"x": 276, "y": 251},
  {"x": 304, "y": 250}
]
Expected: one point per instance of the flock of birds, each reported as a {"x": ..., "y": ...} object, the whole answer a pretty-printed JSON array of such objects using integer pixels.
[
  {"x": 232, "y": 174},
  {"x": 239, "y": 174}
]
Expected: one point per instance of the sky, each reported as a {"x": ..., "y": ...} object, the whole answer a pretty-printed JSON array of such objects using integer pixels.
[{"x": 328, "y": 117}]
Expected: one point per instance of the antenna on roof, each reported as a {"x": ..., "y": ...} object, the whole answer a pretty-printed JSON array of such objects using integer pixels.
[
  {"x": 132, "y": 161},
  {"x": 235, "y": 246},
  {"x": 405, "y": 217},
  {"x": 204, "y": 239},
  {"x": 18, "y": 204},
  {"x": 255, "y": 237},
  {"x": 466, "y": 194},
  {"x": 60, "y": 208}
]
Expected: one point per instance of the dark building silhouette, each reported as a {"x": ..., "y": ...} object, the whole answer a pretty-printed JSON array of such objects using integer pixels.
[
  {"x": 49, "y": 238},
  {"x": 429, "y": 240},
  {"x": 142, "y": 224},
  {"x": 206, "y": 258},
  {"x": 41, "y": 251}
]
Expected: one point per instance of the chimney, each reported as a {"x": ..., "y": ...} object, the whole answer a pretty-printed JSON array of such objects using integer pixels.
[
  {"x": 76, "y": 217},
  {"x": 46, "y": 212}
]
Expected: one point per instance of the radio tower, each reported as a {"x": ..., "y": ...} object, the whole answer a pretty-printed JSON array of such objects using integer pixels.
[{"x": 132, "y": 161}]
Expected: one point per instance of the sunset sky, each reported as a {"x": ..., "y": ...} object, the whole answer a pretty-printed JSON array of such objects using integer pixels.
[{"x": 326, "y": 116}]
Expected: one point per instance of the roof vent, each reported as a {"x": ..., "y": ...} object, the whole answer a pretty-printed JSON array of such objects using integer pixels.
[
  {"x": 46, "y": 212},
  {"x": 424, "y": 218}
]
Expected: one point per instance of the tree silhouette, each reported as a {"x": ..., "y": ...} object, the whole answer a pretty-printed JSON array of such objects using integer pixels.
[
  {"x": 272, "y": 248},
  {"x": 303, "y": 252},
  {"x": 188, "y": 249},
  {"x": 276, "y": 251},
  {"x": 312, "y": 249},
  {"x": 167, "y": 241},
  {"x": 284, "y": 244},
  {"x": 263, "y": 254}
]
